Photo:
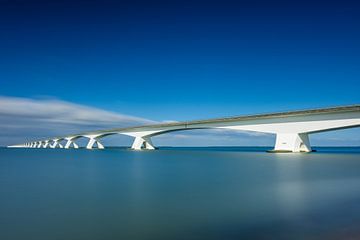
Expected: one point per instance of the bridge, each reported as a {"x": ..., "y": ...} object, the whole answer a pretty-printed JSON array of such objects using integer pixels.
[{"x": 292, "y": 129}]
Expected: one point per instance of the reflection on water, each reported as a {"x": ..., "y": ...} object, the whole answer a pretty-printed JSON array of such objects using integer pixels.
[{"x": 179, "y": 193}]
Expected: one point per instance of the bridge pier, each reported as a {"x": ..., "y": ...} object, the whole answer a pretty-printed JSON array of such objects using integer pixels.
[
  {"x": 70, "y": 141},
  {"x": 46, "y": 144},
  {"x": 92, "y": 141},
  {"x": 292, "y": 142},
  {"x": 56, "y": 144},
  {"x": 142, "y": 139},
  {"x": 142, "y": 142}
]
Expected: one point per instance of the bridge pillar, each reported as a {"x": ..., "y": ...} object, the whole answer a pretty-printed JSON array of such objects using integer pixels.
[
  {"x": 46, "y": 144},
  {"x": 93, "y": 141},
  {"x": 142, "y": 142},
  {"x": 39, "y": 145},
  {"x": 70, "y": 141},
  {"x": 56, "y": 144},
  {"x": 292, "y": 142}
]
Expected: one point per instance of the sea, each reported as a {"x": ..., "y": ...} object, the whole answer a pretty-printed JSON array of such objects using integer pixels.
[{"x": 179, "y": 193}]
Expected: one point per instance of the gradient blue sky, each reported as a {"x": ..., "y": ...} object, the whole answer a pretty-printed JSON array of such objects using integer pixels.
[{"x": 178, "y": 60}]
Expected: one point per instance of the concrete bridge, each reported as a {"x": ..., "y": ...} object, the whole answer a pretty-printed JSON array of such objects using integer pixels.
[{"x": 292, "y": 129}]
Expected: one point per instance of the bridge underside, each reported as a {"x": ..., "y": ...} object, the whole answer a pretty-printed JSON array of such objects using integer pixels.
[{"x": 287, "y": 142}]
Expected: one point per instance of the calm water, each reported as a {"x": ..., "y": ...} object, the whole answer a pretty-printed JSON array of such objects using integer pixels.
[{"x": 179, "y": 193}]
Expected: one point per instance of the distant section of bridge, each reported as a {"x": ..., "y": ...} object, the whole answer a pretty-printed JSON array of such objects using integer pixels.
[{"x": 292, "y": 129}]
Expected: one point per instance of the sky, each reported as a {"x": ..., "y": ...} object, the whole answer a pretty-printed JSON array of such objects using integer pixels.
[{"x": 139, "y": 61}]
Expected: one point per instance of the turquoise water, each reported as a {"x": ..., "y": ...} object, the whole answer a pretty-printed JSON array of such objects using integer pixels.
[{"x": 179, "y": 193}]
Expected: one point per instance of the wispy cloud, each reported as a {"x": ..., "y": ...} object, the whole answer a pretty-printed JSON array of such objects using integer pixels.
[{"x": 24, "y": 119}]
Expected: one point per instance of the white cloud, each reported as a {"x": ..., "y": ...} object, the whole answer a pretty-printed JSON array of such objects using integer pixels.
[{"x": 24, "y": 119}]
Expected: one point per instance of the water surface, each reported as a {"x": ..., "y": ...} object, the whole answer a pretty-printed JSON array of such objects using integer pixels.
[{"x": 179, "y": 193}]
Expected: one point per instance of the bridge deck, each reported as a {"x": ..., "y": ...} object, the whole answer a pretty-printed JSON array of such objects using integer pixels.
[{"x": 193, "y": 123}]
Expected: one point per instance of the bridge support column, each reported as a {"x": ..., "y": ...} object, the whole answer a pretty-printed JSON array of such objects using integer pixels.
[
  {"x": 92, "y": 142},
  {"x": 292, "y": 142},
  {"x": 56, "y": 144},
  {"x": 70, "y": 141},
  {"x": 46, "y": 144},
  {"x": 39, "y": 145},
  {"x": 142, "y": 142}
]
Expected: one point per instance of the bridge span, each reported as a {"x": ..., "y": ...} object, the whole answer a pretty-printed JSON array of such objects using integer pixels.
[{"x": 292, "y": 129}]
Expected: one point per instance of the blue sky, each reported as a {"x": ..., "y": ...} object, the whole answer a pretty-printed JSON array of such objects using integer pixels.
[{"x": 180, "y": 60}]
